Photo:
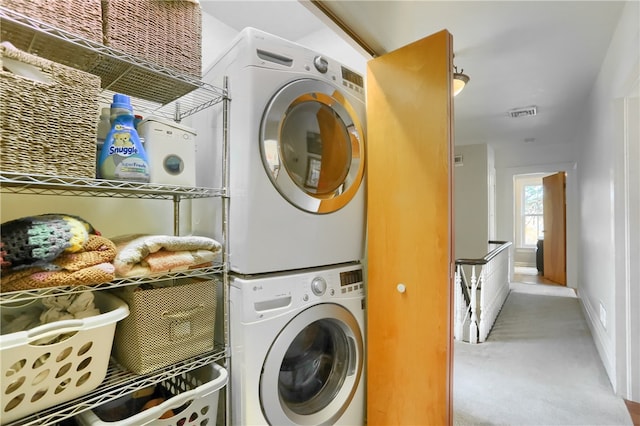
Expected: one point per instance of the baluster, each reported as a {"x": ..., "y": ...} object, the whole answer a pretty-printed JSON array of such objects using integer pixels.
[
  {"x": 507, "y": 275},
  {"x": 459, "y": 307},
  {"x": 485, "y": 287},
  {"x": 473, "y": 326},
  {"x": 493, "y": 282},
  {"x": 504, "y": 276}
]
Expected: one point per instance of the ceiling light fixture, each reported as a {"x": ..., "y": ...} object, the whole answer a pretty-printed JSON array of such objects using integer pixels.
[{"x": 459, "y": 80}]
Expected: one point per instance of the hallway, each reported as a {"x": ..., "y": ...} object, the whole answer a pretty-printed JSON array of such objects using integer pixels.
[
  {"x": 526, "y": 275},
  {"x": 538, "y": 367}
]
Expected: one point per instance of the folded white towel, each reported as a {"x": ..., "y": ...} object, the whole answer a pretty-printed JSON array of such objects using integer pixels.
[{"x": 139, "y": 255}]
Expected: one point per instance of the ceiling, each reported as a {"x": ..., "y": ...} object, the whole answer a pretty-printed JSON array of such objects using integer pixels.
[
  {"x": 518, "y": 54},
  {"x": 288, "y": 19}
]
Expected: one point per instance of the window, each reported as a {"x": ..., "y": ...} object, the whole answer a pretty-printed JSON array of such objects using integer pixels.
[
  {"x": 528, "y": 212},
  {"x": 532, "y": 218}
]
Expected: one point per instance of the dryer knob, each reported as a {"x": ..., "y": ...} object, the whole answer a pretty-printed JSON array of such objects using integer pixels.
[
  {"x": 321, "y": 64},
  {"x": 318, "y": 286}
]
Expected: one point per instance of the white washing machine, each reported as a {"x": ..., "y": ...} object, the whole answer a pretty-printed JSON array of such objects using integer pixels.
[
  {"x": 297, "y": 348},
  {"x": 297, "y": 156}
]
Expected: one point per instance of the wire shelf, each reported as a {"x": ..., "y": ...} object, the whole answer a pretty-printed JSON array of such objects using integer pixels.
[
  {"x": 117, "y": 383},
  {"x": 62, "y": 185},
  {"x": 155, "y": 90},
  {"x": 39, "y": 293}
]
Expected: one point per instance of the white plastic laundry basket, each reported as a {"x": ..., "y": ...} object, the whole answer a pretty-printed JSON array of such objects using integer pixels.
[
  {"x": 36, "y": 376},
  {"x": 195, "y": 402}
]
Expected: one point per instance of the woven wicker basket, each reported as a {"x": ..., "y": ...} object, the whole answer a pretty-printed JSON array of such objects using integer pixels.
[
  {"x": 166, "y": 324},
  {"x": 80, "y": 17},
  {"x": 48, "y": 126},
  {"x": 165, "y": 32}
]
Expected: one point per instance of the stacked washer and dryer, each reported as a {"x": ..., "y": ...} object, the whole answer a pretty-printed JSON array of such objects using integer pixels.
[{"x": 296, "y": 222}]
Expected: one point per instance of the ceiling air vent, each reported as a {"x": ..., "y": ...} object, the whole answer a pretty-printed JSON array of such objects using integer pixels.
[{"x": 523, "y": 112}]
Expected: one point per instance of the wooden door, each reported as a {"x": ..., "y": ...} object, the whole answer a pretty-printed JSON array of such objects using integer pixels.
[
  {"x": 410, "y": 245},
  {"x": 554, "y": 211}
]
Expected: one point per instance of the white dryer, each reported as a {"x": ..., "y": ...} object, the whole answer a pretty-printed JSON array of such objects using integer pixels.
[
  {"x": 297, "y": 348},
  {"x": 297, "y": 156}
]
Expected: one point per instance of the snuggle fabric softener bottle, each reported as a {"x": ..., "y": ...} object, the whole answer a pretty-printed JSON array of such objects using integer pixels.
[{"x": 122, "y": 156}]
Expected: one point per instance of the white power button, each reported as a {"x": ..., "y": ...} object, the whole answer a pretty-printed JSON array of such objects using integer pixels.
[{"x": 318, "y": 286}]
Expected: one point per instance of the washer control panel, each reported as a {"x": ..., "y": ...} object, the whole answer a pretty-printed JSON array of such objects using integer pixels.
[
  {"x": 346, "y": 282},
  {"x": 318, "y": 286},
  {"x": 351, "y": 281},
  {"x": 255, "y": 299}
]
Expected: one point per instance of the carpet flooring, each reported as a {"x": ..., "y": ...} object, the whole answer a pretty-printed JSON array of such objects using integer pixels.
[{"x": 538, "y": 367}]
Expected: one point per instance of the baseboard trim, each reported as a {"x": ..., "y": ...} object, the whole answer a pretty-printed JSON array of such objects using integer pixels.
[{"x": 599, "y": 336}]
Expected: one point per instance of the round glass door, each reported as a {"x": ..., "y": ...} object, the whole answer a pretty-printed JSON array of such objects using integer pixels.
[
  {"x": 312, "y": 146},
  {"x": 313, "y": 368}
]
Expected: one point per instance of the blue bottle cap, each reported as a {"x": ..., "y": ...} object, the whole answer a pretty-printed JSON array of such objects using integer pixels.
[{"x": 121, "y": 101}]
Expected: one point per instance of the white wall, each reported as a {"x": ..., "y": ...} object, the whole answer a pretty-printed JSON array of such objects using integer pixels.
[
  {"x": 471, "y": 201},
  {"x": 602, "y": 151},
  {"x": 216, "y": 36},
  {"x": 628, "y": 229},
  {"x": 491, "y": 168}
]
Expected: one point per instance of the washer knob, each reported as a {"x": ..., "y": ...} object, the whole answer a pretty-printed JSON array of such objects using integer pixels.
[
  {"x": 321, "y": 64},
  {"x": 318, "y": 286}
]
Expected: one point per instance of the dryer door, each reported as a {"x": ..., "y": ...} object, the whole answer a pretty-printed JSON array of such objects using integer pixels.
[
  {"x": 312, "y": 145},
  {"x": 313, "y": 368}
]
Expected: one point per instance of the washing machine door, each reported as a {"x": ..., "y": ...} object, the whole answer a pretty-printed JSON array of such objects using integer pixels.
[
  {"x": 312, "y": 145},
  {"x": 313, "y": 368}
]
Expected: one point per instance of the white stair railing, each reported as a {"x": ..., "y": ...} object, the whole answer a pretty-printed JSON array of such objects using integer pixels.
[
  {"x": 460, "y": 310},
  {"x": 490, "y": 284},
  {"x": 473, "y": 326}
]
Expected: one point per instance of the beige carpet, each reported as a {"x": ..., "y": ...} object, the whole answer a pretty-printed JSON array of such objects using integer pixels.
[{"x": 538, "y": 367}]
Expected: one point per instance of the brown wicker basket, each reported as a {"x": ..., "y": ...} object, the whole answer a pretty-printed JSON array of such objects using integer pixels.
[
  {"x": 48, "y": 125},
  {"x": 80, "y": 17},
  {"x": 164, "y": 32},
  {"x": 166, "y": 324}
]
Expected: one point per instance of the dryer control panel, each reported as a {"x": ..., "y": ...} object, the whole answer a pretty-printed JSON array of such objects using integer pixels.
[{"x": 351, "y": 78}]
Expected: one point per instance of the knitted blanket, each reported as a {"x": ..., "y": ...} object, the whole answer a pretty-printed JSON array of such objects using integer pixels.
[
  {"x": 90, "y": 265},
  {"x": 37, "y": 240},
  {"x": 141, "y": 255}
]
